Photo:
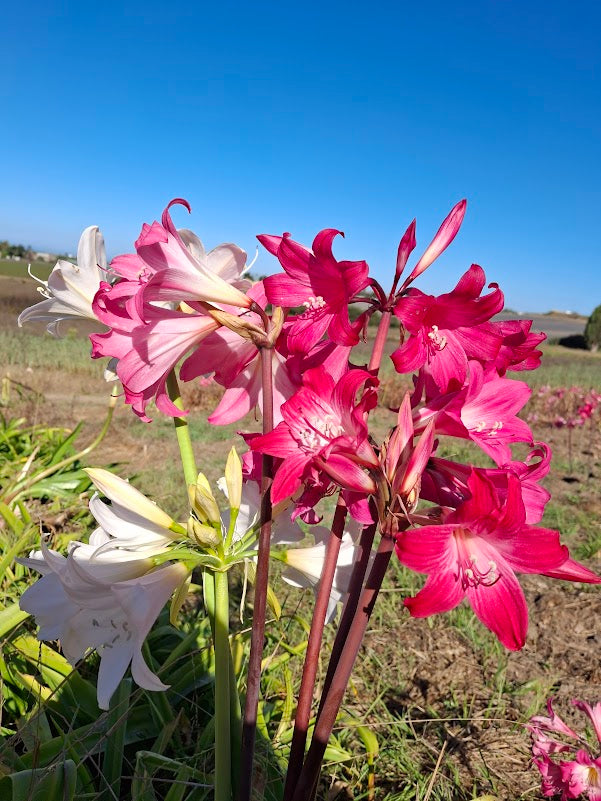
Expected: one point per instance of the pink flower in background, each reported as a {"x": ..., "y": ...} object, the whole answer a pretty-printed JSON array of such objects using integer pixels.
[
  {"x": 444, "y": 331},
  {"x": 316, "y": 280},
  {"x": 568, "y": 778},
  {"x": 475, "y": 553},
  {"x": 323, "y": 435}
]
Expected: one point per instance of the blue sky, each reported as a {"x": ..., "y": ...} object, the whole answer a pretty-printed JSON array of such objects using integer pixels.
[{"x": 287, "y": 116}]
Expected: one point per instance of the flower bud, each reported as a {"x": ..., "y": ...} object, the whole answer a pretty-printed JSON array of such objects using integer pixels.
[
  {"x": 203, "y": 503},
  {"x": 205, "y": 536},
  {"x": 233, "y": 479}
]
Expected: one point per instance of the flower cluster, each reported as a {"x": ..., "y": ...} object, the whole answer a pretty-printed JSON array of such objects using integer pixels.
[
  {"x": 283, "y": 348},
  {"x": 564, "y": 407},
  {"x": 569, "y": 766}
]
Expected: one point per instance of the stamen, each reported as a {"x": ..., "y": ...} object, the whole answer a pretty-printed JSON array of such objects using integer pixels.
[
  {"x": 437, "y": 341},
  {"x": 314, "y": 302}
]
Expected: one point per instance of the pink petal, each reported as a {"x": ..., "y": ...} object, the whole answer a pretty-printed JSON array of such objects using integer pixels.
[
  {"x": 288, "y": 477},
  {"x": 444, "y": 236},
  {"x": 502, "y": 608},
  {"x": 441, "y": 593},
  {"x": 348, "y": 474},
  {"x": 406, "y": 246}
]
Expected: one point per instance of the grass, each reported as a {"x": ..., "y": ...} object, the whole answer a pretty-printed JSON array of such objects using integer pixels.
[{"x": 18, "y": 269}]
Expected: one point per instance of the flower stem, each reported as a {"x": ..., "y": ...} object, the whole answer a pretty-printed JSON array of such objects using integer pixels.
[
  {"x": 325, "y": 722},
  {"x": 305, "y": 694},
  {"x": 253, "y": 684},
  {"x": 223, "y": 770},
  {"x": 182, "y": 431},
  {"x": 379, "y": 342},
  {"x": 350, "y": 607},
  {"x": 235, "y": 726}
]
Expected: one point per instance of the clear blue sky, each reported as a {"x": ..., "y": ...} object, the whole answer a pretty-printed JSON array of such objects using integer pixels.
[{"x": 299, "y": 116}]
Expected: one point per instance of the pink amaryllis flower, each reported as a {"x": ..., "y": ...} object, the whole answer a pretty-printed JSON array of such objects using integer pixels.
[
  {"x": 518, "y": 345},
  {"x": 323, "y": 435},
  {"x": 475, "y": 554},
  {"x": 443, "y": 332},
  {"x": 445, "y": 482},
  {"x": 484, "y": 410},
  {"x": 316, "y": 280},
  {"x": 173, "y": 265},
  {"x": 147, "y": 349}
]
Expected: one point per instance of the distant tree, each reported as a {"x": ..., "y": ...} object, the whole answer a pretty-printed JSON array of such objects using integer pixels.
[{"x": 592, "y": 330}]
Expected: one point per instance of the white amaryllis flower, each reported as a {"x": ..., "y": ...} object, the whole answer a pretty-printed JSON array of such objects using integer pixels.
[
  {"x": 73, "y": 603},
  {"x": 70, "y": 288},
  {"x": 304, "y": 565},
  {"x": 107, "y": 593}
]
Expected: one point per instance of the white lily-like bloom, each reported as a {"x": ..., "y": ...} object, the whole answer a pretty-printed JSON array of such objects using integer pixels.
[
  {"x": 77, "y": 606},
  {"x": 304, "y": 565},
  {"x": 70, "y": 288},
  {"x": 107, "y": 593}
]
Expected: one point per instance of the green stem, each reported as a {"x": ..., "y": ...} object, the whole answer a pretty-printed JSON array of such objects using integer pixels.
[
  {"x": 26, "y": 483},
  {"x": 236, "y": 726},
  {"x": 182, "y": 431},
  {"x": 223, "y": 774}
]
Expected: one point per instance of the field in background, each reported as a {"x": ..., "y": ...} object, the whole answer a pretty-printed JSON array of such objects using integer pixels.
[{"x": 446, "y": 701}]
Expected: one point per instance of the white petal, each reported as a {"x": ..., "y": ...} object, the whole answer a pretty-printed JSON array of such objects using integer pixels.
[
  {"x": 90, "y": 251},
  {"x": 122, "y": 493},
  {"x": 193, "y": 243},
  {"x": 227, "y": 260},
  {"x": 113, "y": 664},
  {"x": 122, "y": 523},
  {"x": 143, "y": 676}
]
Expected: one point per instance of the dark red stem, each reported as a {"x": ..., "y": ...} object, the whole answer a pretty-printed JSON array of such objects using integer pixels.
[
  {"x": 350, "y": 607},
  {"x": 253, "y": 685},
  {"x": 325, "y": 723},
  {"x": 305, "y": 695}
]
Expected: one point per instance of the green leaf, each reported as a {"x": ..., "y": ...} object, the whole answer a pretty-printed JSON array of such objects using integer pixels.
[
  {"x": 65, "y": 445},
  {"x": 10, "y": 618},
  {"x": 41, "y": 784},
  {"x": 113, "y": 748}
]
